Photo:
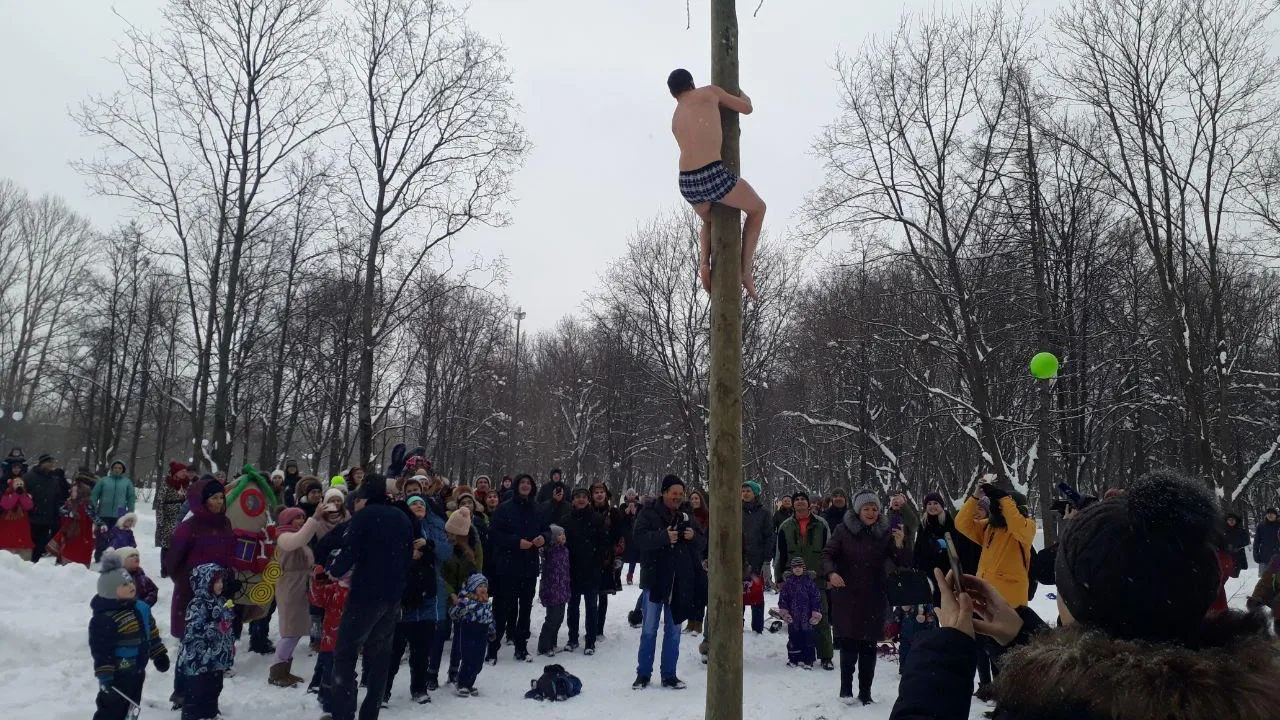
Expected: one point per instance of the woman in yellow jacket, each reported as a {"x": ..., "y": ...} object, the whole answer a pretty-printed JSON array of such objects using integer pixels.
[{"x": 992, "y": 519}]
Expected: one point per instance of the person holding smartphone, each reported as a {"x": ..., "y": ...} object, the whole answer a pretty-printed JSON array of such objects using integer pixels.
[{"x": 1136, "y": 577}]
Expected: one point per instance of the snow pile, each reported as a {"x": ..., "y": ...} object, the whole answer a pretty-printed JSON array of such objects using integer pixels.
[{"x": 47, "y": 673}]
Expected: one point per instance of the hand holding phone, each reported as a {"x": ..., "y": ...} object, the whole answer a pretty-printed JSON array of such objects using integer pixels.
[{"x": 956, "y": 572}]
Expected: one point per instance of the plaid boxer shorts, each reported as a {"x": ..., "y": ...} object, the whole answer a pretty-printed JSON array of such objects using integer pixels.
[{"x": 707, "y": 184}]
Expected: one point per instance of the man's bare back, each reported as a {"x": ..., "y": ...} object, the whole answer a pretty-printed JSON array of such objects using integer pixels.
[
  {"x": 696, "y": 125},
  {"x": 704, "y": 180}
]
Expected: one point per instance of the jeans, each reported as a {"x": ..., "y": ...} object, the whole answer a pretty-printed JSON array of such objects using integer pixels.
[
  {"x": 757, "y": 618},
  {"x": 801, "y": 647},
  {"x": 471, "y": 639},
  {"x": 113, "y": 707},
  {"x": 550, "y": 635},
  {"x": 655, "y": 613},
  {"x": 200, "y": 701},
  {"x": 371, "y": 625},
  {"x": 416, "y": 636},
  {"x": 592, "y": 598},
  {"x": 511, "y": 609},
  {"x": 862, "y": 655}
]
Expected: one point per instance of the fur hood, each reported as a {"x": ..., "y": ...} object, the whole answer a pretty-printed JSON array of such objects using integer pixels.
[
  {"x": 1075, "y": 673},
  {"x": 853, "y": 521}
]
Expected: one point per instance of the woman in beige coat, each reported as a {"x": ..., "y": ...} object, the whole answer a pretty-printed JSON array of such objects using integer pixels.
[{"x": 293, "y": 552}]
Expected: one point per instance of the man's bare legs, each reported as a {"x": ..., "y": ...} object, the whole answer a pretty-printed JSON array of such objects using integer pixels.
[
  {"x": 742, "y": 197},
  {"x": 704, "y": 245}
]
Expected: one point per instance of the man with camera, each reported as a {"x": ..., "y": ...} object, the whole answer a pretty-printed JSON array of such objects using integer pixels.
[{"x": 671, "y": 579}]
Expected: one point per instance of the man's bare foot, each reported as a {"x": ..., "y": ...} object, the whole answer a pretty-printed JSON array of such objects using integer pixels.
[
  {"x": 704, "y": 272},
  {"x": 749, "y": 283}
]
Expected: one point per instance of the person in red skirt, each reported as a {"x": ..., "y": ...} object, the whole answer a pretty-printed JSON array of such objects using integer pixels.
[
  {"x": 74, "y": 541},
  {"x": 15, "y": 526}
]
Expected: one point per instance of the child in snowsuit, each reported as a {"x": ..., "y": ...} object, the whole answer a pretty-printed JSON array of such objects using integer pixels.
[
  {"x": 555, "y": 590},
  {"x": 15, "y": 525},
  {"x": 122, "y": 638},
  {"x": 473, "y": 622},
  {"x": 801, "y": 609},
  {"x": 121, "y": 535},
  {"x": 208, "y": 645},
  {"x": 147, "y": 590},
  {"x": 911, "y": 619},
  {"x": 332, "y": 596}
]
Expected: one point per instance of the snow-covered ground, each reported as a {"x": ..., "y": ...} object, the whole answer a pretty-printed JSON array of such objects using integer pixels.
[{"x": 47, "y": 673}]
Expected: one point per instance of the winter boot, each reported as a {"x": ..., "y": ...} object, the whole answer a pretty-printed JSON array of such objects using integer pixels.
[
  {"x": 288, "y": 669},
  {"x": 693, "y": 627},
  {"x": 279, "y": 675},
  {"x": 433, "y": 680}
]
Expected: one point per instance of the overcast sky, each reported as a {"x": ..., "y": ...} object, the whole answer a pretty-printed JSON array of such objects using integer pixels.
[{"x": 590, "y": 75}]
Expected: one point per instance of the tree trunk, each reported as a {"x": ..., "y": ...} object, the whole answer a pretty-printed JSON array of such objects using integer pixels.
[{"x": 724, "y": 606}]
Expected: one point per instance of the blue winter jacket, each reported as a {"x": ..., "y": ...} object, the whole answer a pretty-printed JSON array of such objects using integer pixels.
[
  {"x": 431, "y": 527},
  {"x": 208, "y": 643}
]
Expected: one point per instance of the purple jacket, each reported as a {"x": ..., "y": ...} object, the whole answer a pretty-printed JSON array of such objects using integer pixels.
[
  {"x": 118, "y": 537},
  {"x": 204, "y": 538},
  {"x": 147, "y": 590},
  {"x": 799, "y": 597},
  {"x": 555, "y": 575}
]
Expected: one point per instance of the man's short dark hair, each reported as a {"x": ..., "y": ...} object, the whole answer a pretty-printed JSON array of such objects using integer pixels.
[{"x": 679, "y": 81}]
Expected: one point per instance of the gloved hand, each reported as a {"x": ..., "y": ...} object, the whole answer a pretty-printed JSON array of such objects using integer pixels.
[
  {"x": 992, "y": 492},
  {"x": 786, "y": 616},
  {"x": 815, "y": 618},
  {"x": 100, "y": 529},
  {"x": 162, "y": 662}
]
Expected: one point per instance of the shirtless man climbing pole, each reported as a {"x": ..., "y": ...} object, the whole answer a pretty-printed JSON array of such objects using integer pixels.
[{"x": 703, "y": 177}]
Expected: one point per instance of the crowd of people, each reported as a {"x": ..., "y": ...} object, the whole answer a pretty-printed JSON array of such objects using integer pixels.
[{"x": 373, "y": 567}]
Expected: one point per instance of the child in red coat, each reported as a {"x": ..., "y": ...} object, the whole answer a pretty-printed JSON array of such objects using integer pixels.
[
  {"x": 75, "y": 540},
  {"x": 15, "y": 527},
  {"x": 332, "y": 596}
]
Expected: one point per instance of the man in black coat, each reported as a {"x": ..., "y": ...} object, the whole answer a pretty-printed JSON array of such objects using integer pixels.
[
  {"x": 589, "y": 550},
  {"x": 671, "y": 579},
  {"x": 616, "y": 527},
  {"x": 1266, "y": 541},
  {"x": 517, "y": 532},
  {"x": 377, "y": 548},
  {"x": 834, "y": 515},
  {"x": 49, "y": 491}
]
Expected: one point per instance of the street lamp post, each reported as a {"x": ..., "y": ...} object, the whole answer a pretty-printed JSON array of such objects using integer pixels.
[{"x": 515, "y": 397}]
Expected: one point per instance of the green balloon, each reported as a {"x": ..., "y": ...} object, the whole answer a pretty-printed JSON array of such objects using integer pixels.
[{"x": 1044, "y": 366}]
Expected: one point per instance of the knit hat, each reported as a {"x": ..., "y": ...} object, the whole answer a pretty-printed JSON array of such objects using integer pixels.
[
  {"x": 277, "y": 473},
  {"x": 474, "y": 583},
  {"x": 799, "y": 494},
  {"x": 840, "y": 492},
  {"x": 44, "y": 459},
  {"x": 1272, "y": 511},
  {"x": 459, "y": 523},
  {"x": 581, "y": 491},
  {"x": 112, "y": 575},
  {"x": 797, "y": 562},
  {"x": 557, "y": 531},
  {"x": 984, "y": 502},
  {"x": 1143, "y": 566},
  {"x": 415, "y": 499},
  {"x": 335, "y": 493},
  {"x": 211, "y": 488},
  {"x": 865, "y": 498},
  {"x": 755, "y": 487},
  {"x": 934, "y": 497},
  {"x": 374, "y": 489},
  {"x": 125, "y": 553},
  {"x": 337, "y": 481},
  {"x": 668, "y": 482},
  {"x": 290, "y": 515}
]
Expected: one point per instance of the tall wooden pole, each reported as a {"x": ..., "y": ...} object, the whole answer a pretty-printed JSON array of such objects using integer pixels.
[{"x": 724, "y": 606}]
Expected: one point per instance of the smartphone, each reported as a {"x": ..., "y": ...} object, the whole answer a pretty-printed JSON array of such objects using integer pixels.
[{"x": 956, "y": 572}]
